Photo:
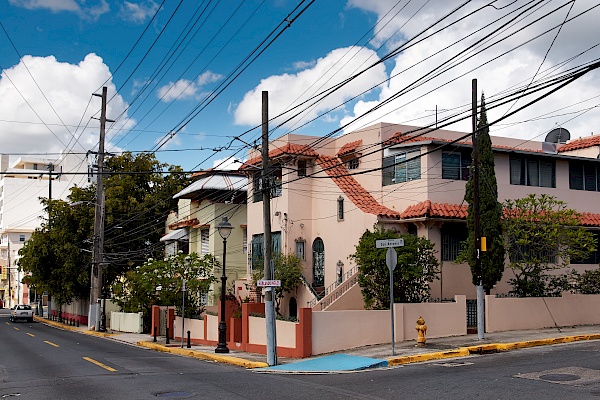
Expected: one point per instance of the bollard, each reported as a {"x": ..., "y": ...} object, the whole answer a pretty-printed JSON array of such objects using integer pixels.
[
  {"x": 421, "y": 330},
  {"x": 188, "y": 343},
  {"x": 155, "y": 329},
  {"x": 167, "y": 342}
]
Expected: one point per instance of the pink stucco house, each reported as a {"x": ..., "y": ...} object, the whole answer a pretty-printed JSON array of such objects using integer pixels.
[{"x": 327, "y": 191}]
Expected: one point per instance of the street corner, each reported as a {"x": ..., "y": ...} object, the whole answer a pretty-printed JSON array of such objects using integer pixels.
[{"x": 232, "y": 360}]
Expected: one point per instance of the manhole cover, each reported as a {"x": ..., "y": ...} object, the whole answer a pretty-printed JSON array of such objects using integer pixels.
[
  {"x": 171, "y": 395},
  {"x": 560, "y": 377}
]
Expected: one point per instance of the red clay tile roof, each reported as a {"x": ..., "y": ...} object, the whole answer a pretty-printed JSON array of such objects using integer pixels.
[
  {"x": 581, "y": 143},
  {"x": 288, "y": 149},
  {"x": 349, "y": 148},
  {"x": 443, "y": 210},
  {"x": 184, "y": 223},
  {"x": 400, "y": 137},
  {"x": 589, "y": 219},
  {"x": 355, "y": 192},
  {"x": 435, "y": 210}
]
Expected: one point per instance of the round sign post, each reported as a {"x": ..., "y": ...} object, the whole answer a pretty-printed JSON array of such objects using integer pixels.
[{"x": 391, "y": 260}]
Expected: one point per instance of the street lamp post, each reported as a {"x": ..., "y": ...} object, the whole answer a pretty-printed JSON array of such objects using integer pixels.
[{"x": 224, "y": 228}]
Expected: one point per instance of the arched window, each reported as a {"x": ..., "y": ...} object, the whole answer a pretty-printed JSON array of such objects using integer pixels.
[{"x": 318, "y": 262}]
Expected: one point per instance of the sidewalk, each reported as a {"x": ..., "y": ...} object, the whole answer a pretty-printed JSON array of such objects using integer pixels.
[{"x": 363, "y": 357}]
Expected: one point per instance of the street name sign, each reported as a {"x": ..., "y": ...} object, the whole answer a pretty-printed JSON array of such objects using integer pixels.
[
  {"x": 269, "y": 283},
  {"x": 382, "y": 244}
]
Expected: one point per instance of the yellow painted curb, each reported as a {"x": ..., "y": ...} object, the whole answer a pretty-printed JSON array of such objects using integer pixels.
[
  {"x": 488, "y": 348},
  {"x": 204, "y": 356},
  {"x": 72, "y": 328},
  {"x": 461, "y": 352}
]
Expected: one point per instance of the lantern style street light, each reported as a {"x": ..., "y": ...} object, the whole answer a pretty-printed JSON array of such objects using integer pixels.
[{"x": 224, "y": 228}]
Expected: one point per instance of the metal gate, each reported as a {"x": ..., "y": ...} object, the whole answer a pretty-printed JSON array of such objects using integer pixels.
[
  {"x": 471, "y": 316},
  {"x": 162, "y": 322}
]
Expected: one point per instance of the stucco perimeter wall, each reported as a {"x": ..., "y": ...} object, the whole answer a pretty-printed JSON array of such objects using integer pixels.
[
  {"x": 286, "y": 332},
  {"x": 212, "y": 327},
  {"x": 340, "y": 330},
  {"x": 442, "y": 319},
  {"x": 507, "y": 314},
  {"x": 195, "y": 326}
]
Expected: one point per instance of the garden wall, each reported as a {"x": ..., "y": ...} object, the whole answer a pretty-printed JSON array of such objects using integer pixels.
[{"x": 507, "y": 314}]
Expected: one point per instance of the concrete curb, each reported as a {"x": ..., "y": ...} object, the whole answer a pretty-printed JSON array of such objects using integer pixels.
[
  {"x": 240, "y": 362},
  {"x": 72, "y": 328},
  {"x": 487, "y": 348}
]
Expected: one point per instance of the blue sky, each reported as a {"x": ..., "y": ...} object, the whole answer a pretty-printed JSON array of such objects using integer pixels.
[{"x": 56, "y": 53}]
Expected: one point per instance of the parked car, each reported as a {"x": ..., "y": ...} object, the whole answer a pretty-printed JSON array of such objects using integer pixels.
[{"x": 21, "y": 311}]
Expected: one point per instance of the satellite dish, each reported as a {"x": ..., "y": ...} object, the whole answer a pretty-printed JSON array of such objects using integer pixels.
[{"x": 558, "y": 135}]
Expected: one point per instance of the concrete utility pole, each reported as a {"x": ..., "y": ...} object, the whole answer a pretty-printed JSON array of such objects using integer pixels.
[
  {"x": 476, "y": 222},
  {"x": 9, "y": 269},
  {"x": 266, "y": 189},
  {"x": 97, "y": 256}
]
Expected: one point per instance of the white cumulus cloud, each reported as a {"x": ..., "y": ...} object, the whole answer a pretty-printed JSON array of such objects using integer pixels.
[
  {"x": 418, "y": 93},
  {"x": 68, "y": 88},
  {"x": 138, "y": 12},
  {"x": 85, "y": 9},
  {"x": 288, "y": 90},
  {"x": 185, "y": 89}
]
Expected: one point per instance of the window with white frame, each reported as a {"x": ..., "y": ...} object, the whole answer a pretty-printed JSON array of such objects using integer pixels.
[
  {"x": 402, "y": 167},
  {"x": 204, "y": 241},
  {"x": 21, "y": 238},
  {"x": 245, "y": 240},
  {"x": 455, "y": 165}
]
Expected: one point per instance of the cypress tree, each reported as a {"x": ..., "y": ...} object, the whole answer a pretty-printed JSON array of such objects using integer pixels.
[{"x": 490, "y": 211}]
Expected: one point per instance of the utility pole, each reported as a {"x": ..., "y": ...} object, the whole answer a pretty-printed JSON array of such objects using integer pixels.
[
  {"x": 266, "y": 189},
  {"x": 40, "y": 306},
  {"x": 9, "y": 269},
  {"x": 476, "y": 222},
  {"x": 97, "y": 256}
]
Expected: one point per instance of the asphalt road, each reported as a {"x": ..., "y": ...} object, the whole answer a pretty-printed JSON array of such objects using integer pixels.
[{"x": 42, "y": 362}]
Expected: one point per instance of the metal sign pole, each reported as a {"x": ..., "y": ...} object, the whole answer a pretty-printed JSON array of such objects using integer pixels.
[{"x": 391, "y": 259}]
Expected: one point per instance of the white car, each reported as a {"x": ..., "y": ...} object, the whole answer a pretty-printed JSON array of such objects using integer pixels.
[{"x": 21, "y": 311}]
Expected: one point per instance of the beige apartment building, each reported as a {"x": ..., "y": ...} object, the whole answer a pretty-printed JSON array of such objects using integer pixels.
[{"x": 327, "y": 192}]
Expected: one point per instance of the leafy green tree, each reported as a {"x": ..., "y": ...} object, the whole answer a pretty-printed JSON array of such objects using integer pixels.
[
  {"x": 137, "y": 203},
  {"x": 54, "y": 257},
  {"x": 542, "y": 235},
  {"x": 160, "y": 282},
  {"x": 287, "y": 269},
  {"x": 490, "y": 212},
  {"x": 417, "y": 268}
]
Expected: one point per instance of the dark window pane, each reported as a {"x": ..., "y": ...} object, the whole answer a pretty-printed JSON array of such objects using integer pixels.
[
  {"x": 547, "y": 174},
  {"x": 465, "y": 163},
  {"x": 387, "y": 171},
  {"x": 453, "y": 237},
  {"x": 589, "y": 173},
  {"x": 515, "y": 172},
  {"x": 451, "y": 166},
  {"x": 575, "y": 175},
  {"x": 533, "y": 173}
]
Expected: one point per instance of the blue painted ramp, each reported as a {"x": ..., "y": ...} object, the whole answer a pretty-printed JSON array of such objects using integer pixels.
[{"x": 333, "y": 363}]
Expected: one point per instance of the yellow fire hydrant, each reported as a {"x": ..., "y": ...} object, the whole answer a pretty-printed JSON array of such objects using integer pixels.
[{"x": 421, "y": 330}]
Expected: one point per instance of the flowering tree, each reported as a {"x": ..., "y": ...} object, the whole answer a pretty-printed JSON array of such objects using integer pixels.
[{"x": 160, "y": 282}]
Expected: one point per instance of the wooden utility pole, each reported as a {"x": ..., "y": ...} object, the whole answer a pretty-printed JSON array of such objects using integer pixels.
[
  {"x": 266, "y": 192},
  {"x": 97, "y": 256},
  {"x": 476, "y": 221}
]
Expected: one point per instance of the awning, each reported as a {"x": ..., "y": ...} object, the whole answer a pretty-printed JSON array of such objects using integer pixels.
[{"x": 175, "y": 235}]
